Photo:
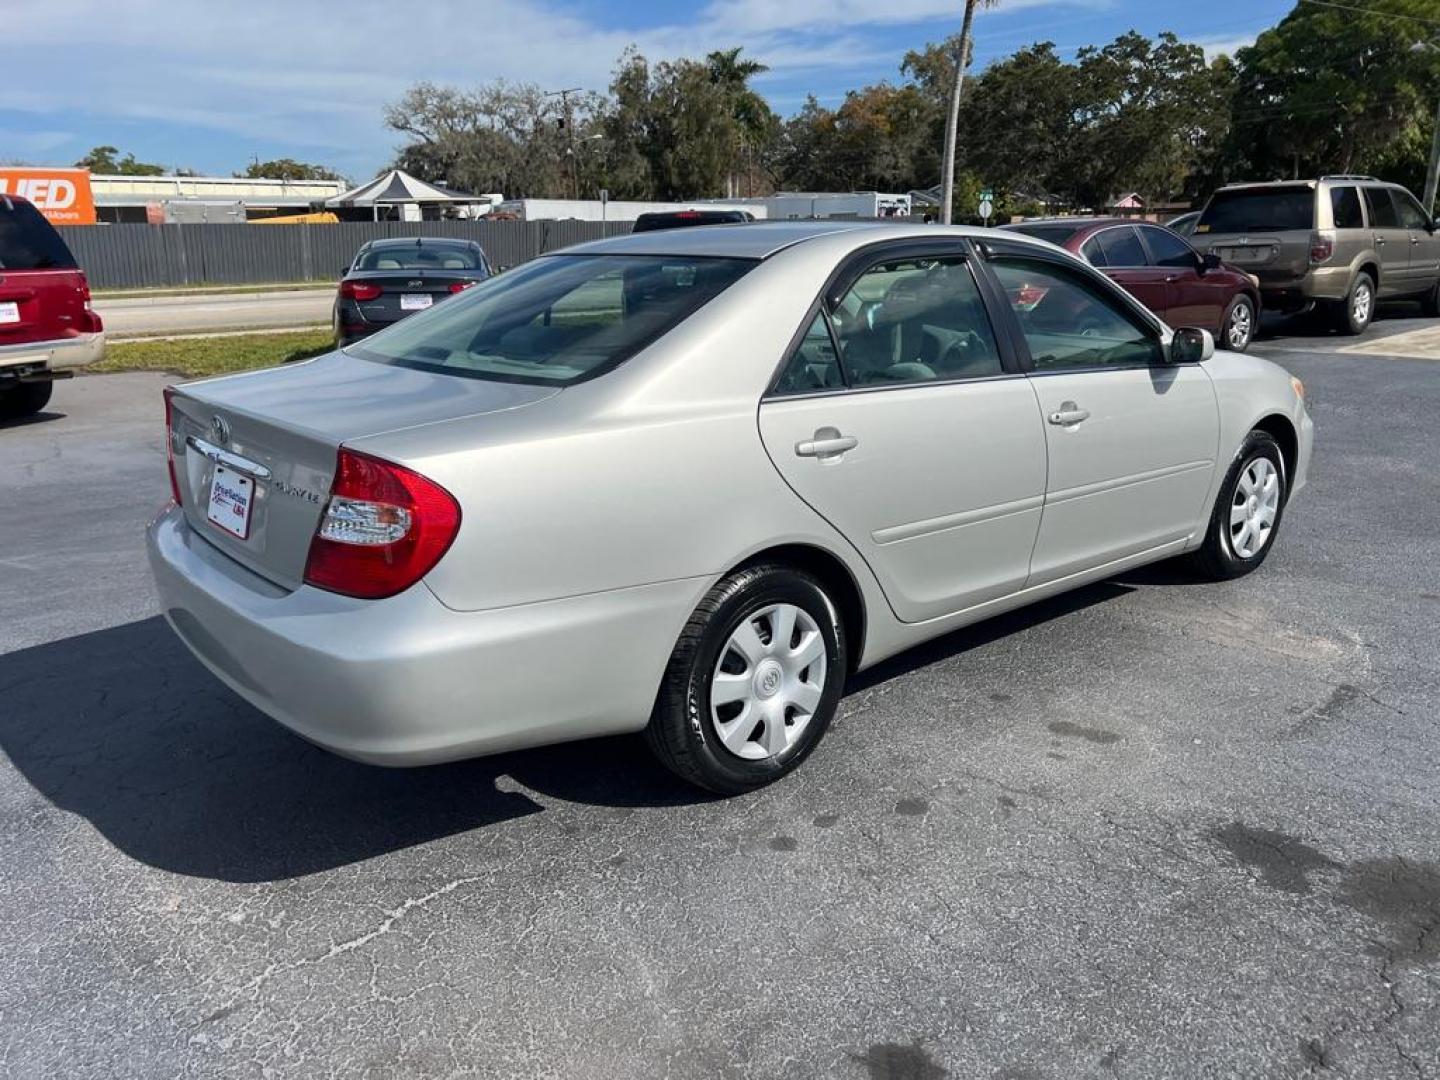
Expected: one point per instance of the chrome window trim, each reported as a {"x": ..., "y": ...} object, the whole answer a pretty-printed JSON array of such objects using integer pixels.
[{"x": 225, "y": 457}]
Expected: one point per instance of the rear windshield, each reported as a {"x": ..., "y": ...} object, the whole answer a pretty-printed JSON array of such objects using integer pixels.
[
  {"x": 1259, "y": 210},
  {"x": 556, "y": 320},
  {"x": 28, "y": 241},
  {"x": 1056, "y": 234},
  {"x": 680, "y": 218},
  {"x": 427, "y": 257}
]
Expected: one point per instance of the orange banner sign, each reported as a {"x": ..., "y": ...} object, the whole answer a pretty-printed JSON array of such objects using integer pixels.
[{"x": 62, "y": 195}]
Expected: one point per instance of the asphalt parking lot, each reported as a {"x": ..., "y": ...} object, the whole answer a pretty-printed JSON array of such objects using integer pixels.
[{"x": 1153, "y": 828}]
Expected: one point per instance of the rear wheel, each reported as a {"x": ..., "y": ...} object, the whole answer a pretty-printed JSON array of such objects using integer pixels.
[
  {"x": 24, "y": 399},
  {"x": 1247, "y": 512},
  {"x": 1238, "y": 329},
  {"x": 753, "y": 682},
  {"x": 1430, "y": 302},
  {"x": 1358, "y": 308}
]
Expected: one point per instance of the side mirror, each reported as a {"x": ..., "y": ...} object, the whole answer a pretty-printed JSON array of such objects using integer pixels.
[
  {"x": 1191, "y": 345},
  {"x": 1209, "y": 261}
]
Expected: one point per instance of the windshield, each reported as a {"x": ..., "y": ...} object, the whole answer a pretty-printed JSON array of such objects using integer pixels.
[
  {"x": 1056, "y": 234},
  {"x": 1259, "y": 209},
  {"x": 558, "y": 319},
  {"x": 420, "y": 257}
]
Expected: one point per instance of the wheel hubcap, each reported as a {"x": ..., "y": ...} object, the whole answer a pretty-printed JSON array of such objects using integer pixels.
[
  {"x": 1254, "y": 507},
  {"x": 1239, "y": 327},
  {"x": 768, "y": 681},
  {"x": 1362, "y": 304}
]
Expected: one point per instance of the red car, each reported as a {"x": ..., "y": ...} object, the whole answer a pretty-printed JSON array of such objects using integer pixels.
[
  {"x": 47, "y": 328},
  {"x": 1163, "y": 271}
]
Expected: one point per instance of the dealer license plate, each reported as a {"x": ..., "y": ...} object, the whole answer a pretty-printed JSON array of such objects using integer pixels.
[
  {"x": 415, "y": 301},
  {"x": 231, "y": 496},
  {"x": 9, "y": 312}
]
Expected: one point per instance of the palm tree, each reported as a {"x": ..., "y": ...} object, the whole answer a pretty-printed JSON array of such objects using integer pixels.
[
  {"x": 747, "y": 108},
  {"x": 962, "y": 61}
]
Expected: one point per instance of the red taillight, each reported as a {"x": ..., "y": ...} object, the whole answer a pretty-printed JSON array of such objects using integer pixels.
[
  {"x": 460, "y": 286},
  {"x": 170, "y": 444},
  {"x": 359, "y": 290},
  {"x": 1321, "y": 248},
  {"x": 91, "y": 321},
  {"x": 383, "y": 529}
]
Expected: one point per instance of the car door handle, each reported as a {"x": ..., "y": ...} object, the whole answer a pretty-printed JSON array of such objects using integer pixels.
[
  {"x": 1068, "y": 413},
  {"x": 827, "y": 443},
  {"x": 1380, "y": 241},
  {"x": 1414, "y": 240}
]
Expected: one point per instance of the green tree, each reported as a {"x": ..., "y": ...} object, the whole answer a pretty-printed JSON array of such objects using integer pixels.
[
  {"x": 102, "y": 159},
  {"x": 755, "y": 124},
  {"x": 287, "y": 169}
]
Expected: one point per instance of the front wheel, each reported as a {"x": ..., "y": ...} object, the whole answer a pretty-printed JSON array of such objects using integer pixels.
[
  {"x": 24, "y": 399},
  {"x": 753, "y": 682},
  {"x": 1247, "y": 512},
  {"x": 1239, "y": 326}
]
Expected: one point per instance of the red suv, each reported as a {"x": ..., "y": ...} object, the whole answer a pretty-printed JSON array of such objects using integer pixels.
[
  {"x": 47, "y": 329},
  {"x": 1163, "y": 272}
]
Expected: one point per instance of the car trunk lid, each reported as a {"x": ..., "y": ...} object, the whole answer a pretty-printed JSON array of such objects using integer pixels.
[
  {"x": 404, "y": 292},
  {"x": 255, "y": 453}
]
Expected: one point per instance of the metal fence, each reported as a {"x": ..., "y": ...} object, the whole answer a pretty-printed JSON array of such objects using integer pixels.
[{"x": 141, "y": 256}]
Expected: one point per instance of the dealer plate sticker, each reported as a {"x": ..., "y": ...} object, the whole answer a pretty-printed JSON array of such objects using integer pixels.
[
  {"x": 231, "y": 495},
  {"x": 9, "y": 312},
  {"x": 415, "y": 301}
]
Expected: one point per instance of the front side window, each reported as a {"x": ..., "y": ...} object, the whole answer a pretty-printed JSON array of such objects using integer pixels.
[
  {"x": 1411, "y": 216},
  {"x": 557, "y": 319},
  {"x": 1167, "y": 249},
  {"x": 1345, "y": 208},
  {"x": 1382, "y": 210},
  {"x": 1122, "y": 247},
  {"x": 1069, "y": 322},
  {"x": 915, "y": 320}
]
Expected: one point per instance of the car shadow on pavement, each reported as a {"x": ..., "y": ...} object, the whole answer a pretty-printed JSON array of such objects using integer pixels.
[
  {"x": 43, "y": 417},
  {"x": 123, "y": 727},
  {"x": 1275, "y": 326}
]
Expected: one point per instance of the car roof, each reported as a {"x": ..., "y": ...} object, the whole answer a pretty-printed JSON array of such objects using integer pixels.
[{"x": 761, "y": 239}]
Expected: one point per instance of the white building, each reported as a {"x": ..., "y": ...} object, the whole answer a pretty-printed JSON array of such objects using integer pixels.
[
  {"x": 204, "y": 198},
  {"x": 782, "y": 205}
]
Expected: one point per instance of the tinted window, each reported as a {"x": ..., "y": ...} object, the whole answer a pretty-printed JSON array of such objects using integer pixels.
[
  {"x": 556, "y": 319},
  {"x": 420, "y": 257},
  {"x": 1092, "y": 253},
  {"x": 1056, "y": 233},
  {"x": 1345, "y": 208},
  {"x": 915, "y": 320},
  {"x": 813, "y": 366},
  {"x": 1068, "y": 322},
  {"x": 1167, "y": 249},
  {"x": 1121, "y": 247},
  {"x": 1411, "y": 216},
  {"x": 1254, "y": 209},
  {"x": 1382, "y": 210},
  {"x": 678, "y": 219},
  {"x": 28, "y": 241}
]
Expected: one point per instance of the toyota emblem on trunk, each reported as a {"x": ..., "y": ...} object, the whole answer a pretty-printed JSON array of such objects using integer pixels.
[{"x": 220, "y": 427}]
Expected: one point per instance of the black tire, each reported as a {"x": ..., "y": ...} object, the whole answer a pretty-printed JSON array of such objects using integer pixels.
[
  {"x": 1430, "y": 302},
  {"x": 1241, "y": 306},
  {"x": 1217, "y": 558},
  {"x": 1345, "y": 318},
  {"x": 682, "y": 731},
  {"x": 24, "y": 399}
]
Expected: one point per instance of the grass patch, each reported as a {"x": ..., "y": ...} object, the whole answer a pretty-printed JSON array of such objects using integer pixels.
[
  {"x": 203, "y": 290},
  {"x": 195, "y": 357}
]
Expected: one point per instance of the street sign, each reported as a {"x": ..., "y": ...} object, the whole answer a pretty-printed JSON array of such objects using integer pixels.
[
  {"x": 987, "y": 196},
  {"x": 986, "y": 207}
]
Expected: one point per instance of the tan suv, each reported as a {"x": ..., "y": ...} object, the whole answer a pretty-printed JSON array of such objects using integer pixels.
[{"x": 1341, "y": 242}]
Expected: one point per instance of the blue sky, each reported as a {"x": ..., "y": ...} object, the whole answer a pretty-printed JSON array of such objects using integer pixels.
[{"x": 207, "y": 84}]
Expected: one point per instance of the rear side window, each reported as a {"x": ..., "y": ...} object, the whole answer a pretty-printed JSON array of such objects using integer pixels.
[
  {"x": 557, "y": 319},
  {"x": 1411, "y": 216},
  {"x": 1057, "y": 233},
  {"x": 1382, "y": 210},
  {"x": 1121, "y": 247},
  {"x": 1092, "y": 253},
  {"x": 915, "y": 321},
  {"x": 1259, "y": 210},
  {"x": 813, "y": 366},
  {"x": 1345, "y": 208},
  {"x": 28, "y": 241},
  {"x": 1166, "y": 249}
]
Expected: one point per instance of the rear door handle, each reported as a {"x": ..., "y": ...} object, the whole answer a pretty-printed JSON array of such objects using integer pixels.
[
  {"x": 827, "y": 442},
  {"x": 1068, "y": 413}
]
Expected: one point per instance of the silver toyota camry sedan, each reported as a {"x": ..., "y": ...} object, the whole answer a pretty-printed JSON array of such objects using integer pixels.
[{"x": 686, "y": 482}]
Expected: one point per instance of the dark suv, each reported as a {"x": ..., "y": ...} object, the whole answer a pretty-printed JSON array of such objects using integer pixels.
[
  {"x": 1340, "y": 242},
  {"x": 47, "y": 328}
]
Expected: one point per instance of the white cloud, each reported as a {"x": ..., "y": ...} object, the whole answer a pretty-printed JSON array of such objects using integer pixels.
[
  {"x": 287, "y": 73},
  {"x": 1226, "y": 46}
]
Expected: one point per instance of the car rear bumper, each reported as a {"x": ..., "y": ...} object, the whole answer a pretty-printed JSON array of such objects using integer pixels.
[
  {"x": 62, "y": 354},
  {"x": 1320, "y": 283},
  {"x": 406, "y": 680}
]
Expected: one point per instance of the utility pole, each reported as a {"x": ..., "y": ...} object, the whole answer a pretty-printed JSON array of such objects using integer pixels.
[
  {"x": 1432, "y": 174},
  {"x": 569, "y": 124}
]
